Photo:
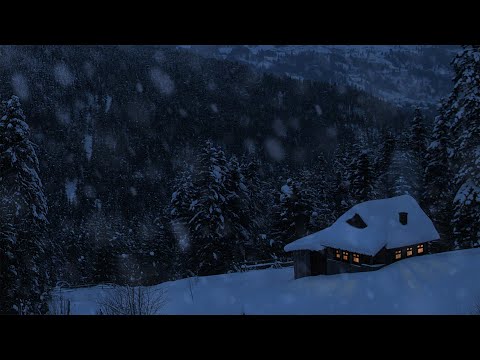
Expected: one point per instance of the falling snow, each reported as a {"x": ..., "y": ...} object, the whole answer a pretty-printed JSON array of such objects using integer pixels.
[
  {"x": 63, "y": 75},
  {"x": 214, "y": 108},
  {"x": 275, "y": 149},
  {"x": 71, "y": 190},
  {"x": 20, "y": 86},
  {"x": 279, "y": 128},
  {"x": 108, "y": 103},
  {"x": 183, "y": 113},
  {"x": 162, "y": 81},
  {"x": 88, "y": 146},
  {"x": 63, "y": 116},
  {"x": 332, "y": 132}
]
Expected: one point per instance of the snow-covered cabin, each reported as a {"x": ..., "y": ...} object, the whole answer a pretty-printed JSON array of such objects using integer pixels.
[{"x": 368, "y": 236}]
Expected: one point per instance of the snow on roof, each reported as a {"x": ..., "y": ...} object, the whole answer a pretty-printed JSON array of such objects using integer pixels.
[{"x": 383, "y": 228}]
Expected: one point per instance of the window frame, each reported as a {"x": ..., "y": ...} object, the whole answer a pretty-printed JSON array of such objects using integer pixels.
[
  {"x": 356, "y": 256},
  {"x": 398, "y": 253},
  {"x": 422, "y": 247}
]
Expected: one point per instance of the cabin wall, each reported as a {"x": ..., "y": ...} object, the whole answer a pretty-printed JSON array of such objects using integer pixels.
[
  {"x": 340, "y": 267},
  {"x": 381, "y": 257},
  {"x": 307, "y": 263},
  {"x": 390, "y": 253},
  {"x": 301, "y": 263},
  {"x": 318, "y": 264}
]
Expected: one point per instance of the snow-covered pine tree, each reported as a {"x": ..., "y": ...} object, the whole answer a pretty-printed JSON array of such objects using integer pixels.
[
  {"x": 210, "y": 251},
  {"x": 250, "y": 168},
  {"x": 238, "y": 225},
  {"x": 401, "y": 173},
  {"x": 24, "y": 218},
  {"x": 361, "y": 176},
  {"x": 260, "y": 205},
  {"x": 77, "y": 253},
  {"x": 318, "y": 184},
  {"x": 417, "y": 147},
  {"x": 182, "y": 198},
  {"x": 438, "y": 194},
  {"x": 172, "y": 254},
  {"x": 292, "y": 216},
  {"x": 462, "y": 111},
  {"x": 382, "y": 164},
  {"x": 8, "y": 263},
  {"x": 157, "y": 252},
  {"x": 108, "y": 240},
  {"x": 340, "y": 172}
]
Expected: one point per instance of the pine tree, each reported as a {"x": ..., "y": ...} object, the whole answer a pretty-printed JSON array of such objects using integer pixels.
[
  {"x": 341, "y": 194},
  {"x": 211, "y": 250},
  {"x": 318, "y": 185},
  {"x": 417, "y": 147},
  {"x": 9, "y": 263},
  {"x": 292, "y": 216},
  {"x": 178, "y": 237},
  {"x": 24, "y": 218},
  {"x": 361, "y": 176},
  {"x": 382, "y": 164},
  {"x": 438, "y": 194},
  {"x": 462, "y": 112},
  {"x": 256, "y": 217},
  {"x": 260, "y": 204},
  {"x": 238, "y": 225},
  {"x": 402, "y": 172},
  {"x": 108, "y": 239}
]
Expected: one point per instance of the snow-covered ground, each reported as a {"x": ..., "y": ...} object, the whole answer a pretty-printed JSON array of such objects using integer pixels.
[{"x": 433, "y": 284}]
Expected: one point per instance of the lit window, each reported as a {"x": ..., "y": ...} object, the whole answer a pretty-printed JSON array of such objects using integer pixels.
[
  {"x": 419, "y": 249},
  {"x": 356, "y": 258},
  {"x": 409, "y": 251},
  {"x": 398, "y": 254},
  {"x": 337, "y": 254},
  {"x": 345, "y": 255}
]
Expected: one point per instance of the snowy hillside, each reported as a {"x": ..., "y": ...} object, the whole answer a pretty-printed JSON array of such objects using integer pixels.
[
  {"x": 435, "y": 284},
  {"x": 402, "y": 74}
]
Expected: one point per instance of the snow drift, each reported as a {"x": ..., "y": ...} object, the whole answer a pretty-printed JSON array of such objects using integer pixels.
[{"x": 433, "y": 284}]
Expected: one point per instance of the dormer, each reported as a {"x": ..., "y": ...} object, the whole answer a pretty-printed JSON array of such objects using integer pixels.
[
  {"x": 357, "y": 221},
  {"x": 403, "y": 218}
]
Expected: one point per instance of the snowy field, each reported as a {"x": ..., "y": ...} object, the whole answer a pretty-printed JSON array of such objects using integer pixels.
[{"x": 434, "y": 284}]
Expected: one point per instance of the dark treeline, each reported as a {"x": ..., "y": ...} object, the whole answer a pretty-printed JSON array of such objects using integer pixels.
[{"x": 159, "y": 164}]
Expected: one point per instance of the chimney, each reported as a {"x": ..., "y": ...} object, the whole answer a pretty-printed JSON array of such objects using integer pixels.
[{"x": 403, "y": 217}]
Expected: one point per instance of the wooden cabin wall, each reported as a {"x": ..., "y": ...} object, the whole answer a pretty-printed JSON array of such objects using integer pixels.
[
  {"x": 391, "y": 252},
  {"x": 318, "y": 264},
  {"x": 301, "y": 263},
  {"x": 381, "y": 257},
  {"x": 340, "y": 267}
]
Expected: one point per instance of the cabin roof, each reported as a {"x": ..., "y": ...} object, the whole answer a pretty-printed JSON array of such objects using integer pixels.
[{"x": 383, "y": 228}]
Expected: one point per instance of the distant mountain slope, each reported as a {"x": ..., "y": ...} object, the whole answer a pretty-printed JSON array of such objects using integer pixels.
[
  {"x": 406, "y": 75},
  {"x": 435, "y": 284}
]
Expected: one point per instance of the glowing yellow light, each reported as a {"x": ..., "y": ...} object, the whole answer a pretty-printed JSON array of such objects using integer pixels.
[{"x": 420, "y": 249}]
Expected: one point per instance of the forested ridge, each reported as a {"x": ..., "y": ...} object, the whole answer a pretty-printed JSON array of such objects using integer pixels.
[{"x": 158, "y": 164}]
